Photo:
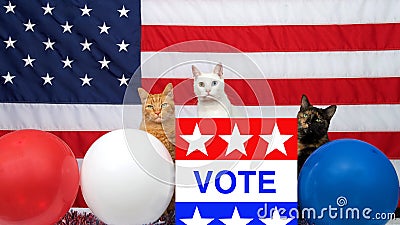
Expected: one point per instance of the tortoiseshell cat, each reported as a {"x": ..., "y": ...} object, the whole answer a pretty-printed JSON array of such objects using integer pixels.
[
  {"x": 313, "y": 124},
  {"x": 158, "y": 119}
]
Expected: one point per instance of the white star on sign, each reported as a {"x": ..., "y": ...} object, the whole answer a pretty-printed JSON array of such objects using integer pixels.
[
  {"x": 47, "y": 79},
  {"x": 9, "y": 7},
  {"x": 48, "y": 44},
  {"x": 8, "y": 78},
  {"x": 48, "y": 9},
  {"x": 235, "y": 141},
  {"x": 85, "y": 10},
  {"x": 196, "y": 219},
  {"x": 10, "y": 43},
  {"x": 235, "y": 219},
  {"x": 123, "y": 12},
  {"x": 276, "y": 219},
  {"x": 104, "y": 28},
  {"x": 123, "y": 80},
  {"x": 86, "y": 80},
  {"x": 104, "y": 63},
  {"x": 67, "y": 27},
  {"x": 67, "y": 62},
  {"x": 276, "y": 141},
  {"x": 29, "y": 26},
  {"x": 29, "y": 61},
  {"x": 123, "y": 46},
  {"x": 86, "y": 45},
  {"x": 196, "y": 141}
]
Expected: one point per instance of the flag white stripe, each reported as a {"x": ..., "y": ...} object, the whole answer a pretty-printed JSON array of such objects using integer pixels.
[
  {"x": 79, "y": 161},
  {"x": 52, "y": 117},
  {"x": 271, "y": 65},
  {"x": 396, "y": 164},
  {"x": 261, "y": 12},
  {"x": 65, "y": 117}
]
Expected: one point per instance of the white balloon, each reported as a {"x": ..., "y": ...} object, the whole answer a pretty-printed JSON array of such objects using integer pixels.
[{"x": 127, "y": 177}]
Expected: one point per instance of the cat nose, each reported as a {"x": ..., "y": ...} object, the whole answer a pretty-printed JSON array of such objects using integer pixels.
[
  {"x": 157, "y": 112},
  {"x": 208, "y": 90},
  {"x": 311, "y": 118}
]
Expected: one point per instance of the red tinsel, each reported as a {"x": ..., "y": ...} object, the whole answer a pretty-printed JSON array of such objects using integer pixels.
[{"x": 78, "y": 218}]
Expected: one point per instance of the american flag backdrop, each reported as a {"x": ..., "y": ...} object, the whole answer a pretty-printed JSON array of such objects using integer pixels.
[{"x": 65, "y": 65}]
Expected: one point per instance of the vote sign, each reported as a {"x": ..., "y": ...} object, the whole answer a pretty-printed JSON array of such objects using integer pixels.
[{"x": 236, "y": 171}]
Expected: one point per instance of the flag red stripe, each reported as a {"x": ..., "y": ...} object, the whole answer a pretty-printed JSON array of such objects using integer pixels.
[
  {"x": 79, "y": 200},
  {"x": 382, "y": 140},
  {"x": 323, "y": 91},
  {"x": 80, "y": 141},
  {"x": 276, "y": 38}
]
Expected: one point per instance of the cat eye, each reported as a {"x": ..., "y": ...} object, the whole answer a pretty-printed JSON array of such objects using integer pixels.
[
  {"x": 305, "y": 115},
  {"x": 150, "y": 106},
  {"x": 214, "y": 83},
  {"x": 318, "y": 120},
  {"x": 201, "y": 84},
  {"x": 164, "y": 105}
]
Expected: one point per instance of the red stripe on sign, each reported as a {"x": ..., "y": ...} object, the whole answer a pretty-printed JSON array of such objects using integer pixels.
[
  {"x": 285, "y": 38},
  {"x": 384, "y": 141},
  {"x": 217, "y": 148},
  {"x": 78, "y": 141},
  {"x": 250, "y": 92}
]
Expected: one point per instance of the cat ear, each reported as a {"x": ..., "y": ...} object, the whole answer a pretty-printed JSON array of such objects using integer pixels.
[
  {"x": 196, "y": 72},
  {"x": 143, "y": 95},
  {"x": 218, "y": 70},
  {"x": 305, "y": 104},
  {"x": 168, "y": 90},
  {"x": 330, "y": 111}
]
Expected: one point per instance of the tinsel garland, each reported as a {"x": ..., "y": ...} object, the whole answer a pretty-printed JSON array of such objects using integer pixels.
[{"x": 83, "y": 218}]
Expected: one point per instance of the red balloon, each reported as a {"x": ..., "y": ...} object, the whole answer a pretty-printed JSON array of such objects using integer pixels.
[{"x": 39, "y": 178}]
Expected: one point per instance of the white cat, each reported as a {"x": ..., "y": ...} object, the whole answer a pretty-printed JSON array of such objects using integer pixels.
[{"x": 209, "y": 89}]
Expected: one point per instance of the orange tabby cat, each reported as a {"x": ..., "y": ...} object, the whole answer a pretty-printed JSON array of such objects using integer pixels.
[
  {"x": 159, "y": 119},
  {"x": 159, "y": 116}
]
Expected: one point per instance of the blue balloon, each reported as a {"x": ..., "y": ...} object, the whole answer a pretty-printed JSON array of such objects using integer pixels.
[{"x": 348, "y": 182}]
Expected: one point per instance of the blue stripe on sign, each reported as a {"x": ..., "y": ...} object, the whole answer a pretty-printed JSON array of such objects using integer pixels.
[
  {"x": 28, "y": 85},
  {"x": 223, "y": 210}
]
